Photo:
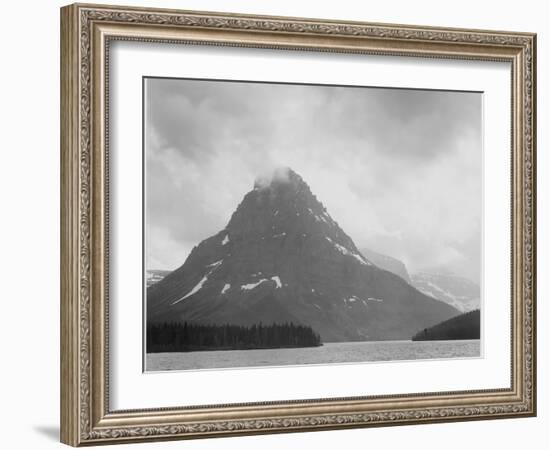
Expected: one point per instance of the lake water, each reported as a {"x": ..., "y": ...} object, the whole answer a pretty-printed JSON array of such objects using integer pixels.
[{"x": 332, "y": 352}]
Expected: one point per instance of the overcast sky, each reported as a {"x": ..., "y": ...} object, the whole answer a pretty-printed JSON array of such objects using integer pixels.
[{"x": 399, "y": 170}]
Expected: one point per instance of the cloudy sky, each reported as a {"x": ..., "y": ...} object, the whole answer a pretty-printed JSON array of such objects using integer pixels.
[{"x": 399, "y": 170}]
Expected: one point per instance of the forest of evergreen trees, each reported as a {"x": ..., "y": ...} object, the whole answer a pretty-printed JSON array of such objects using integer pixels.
[
  {"x": 464, "y": 326},
  {"x": 178, "y": 337}
]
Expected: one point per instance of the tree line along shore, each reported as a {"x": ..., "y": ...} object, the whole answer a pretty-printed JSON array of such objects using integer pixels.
[{"x": 184, "y": 337}]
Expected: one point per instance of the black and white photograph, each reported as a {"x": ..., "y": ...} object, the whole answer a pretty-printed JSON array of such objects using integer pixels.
[{"x": 296, "y": 224}]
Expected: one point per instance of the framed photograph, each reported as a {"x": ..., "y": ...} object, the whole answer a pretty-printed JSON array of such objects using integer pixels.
[{"x": 273, "y": 224}]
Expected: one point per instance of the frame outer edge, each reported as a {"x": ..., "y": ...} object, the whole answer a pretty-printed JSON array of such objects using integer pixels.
[
  {"x": 70, "y": 299},
  {"x": 535, "y": 265},
  {"x": 534, "y": 262},
  {"x": 81, "y": 414}
]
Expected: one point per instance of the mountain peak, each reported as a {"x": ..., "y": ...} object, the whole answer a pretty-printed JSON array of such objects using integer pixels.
[
  {"x": 279, "y": 176},
  {"x": 282, "y": 258},
  {"x": 281, "y": 200}
]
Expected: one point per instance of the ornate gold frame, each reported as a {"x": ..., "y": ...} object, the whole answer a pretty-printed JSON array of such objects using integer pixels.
[{"x": 86, "y": 31}]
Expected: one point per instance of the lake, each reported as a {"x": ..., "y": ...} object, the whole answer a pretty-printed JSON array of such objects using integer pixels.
[{"x": 331, "y": 352}]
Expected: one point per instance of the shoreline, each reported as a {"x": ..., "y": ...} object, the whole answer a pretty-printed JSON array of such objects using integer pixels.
[{"x": 217, "y": 349}]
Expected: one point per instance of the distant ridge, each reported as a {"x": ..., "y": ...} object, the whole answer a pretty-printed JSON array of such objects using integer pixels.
[
  {"x": 387, "y": 263},
  {"x": 155, "y": 275},
  {"x": 459, "y": 292}
]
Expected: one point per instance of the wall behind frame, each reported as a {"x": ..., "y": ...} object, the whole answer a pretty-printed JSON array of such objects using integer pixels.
[{"x": 29, "y": 229}]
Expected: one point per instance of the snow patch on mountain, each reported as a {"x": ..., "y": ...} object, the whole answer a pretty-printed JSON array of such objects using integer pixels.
[
  {"x": 347, "y": 252},
  {"x": 200, "y": 284},
  {"x": 277, "y": 281},
  {"x": 456, "y": 291},
  {"x": 250, "y": 286},
  {"x": 196, "y": 289}
]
